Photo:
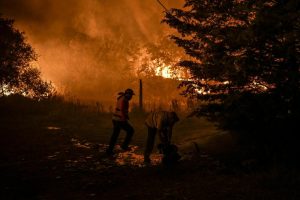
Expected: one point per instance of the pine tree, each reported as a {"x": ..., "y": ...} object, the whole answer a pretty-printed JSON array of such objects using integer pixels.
[{"x": 245, "y": 62}]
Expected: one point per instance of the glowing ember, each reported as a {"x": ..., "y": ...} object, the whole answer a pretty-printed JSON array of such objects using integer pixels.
[
  {"x": 53, "y": 128},
  {"x": 133, "y": 158}
]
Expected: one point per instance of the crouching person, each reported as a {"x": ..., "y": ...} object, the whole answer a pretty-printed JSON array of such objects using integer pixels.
[{"x": 161, "y": 123}]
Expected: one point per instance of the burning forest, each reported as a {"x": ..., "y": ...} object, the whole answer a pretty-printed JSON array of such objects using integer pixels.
[
  {"x": 89, "y": 52},
  {"x": 152, "y": 99}
]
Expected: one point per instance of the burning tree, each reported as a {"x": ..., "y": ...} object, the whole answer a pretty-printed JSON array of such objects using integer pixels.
[
  {"x": 17, "y": 75},
  {"x": 160, "y": 59},
  {"x": 245, "y": 63}
]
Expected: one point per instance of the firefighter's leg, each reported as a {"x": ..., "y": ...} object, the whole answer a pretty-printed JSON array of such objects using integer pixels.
[
  {"x": 164, "y": 139},
  {"x": 114, "y": 136},
  {"x": 149, "y": 144},
  {"x": 129, "y": 133},
  {"x": 165, "y": 143}
]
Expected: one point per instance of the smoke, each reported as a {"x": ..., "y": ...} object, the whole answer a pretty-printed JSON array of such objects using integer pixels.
[{"x": 85, "y": 47}]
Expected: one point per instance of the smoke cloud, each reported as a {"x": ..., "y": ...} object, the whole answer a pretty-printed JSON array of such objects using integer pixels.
[{"x": 85, "y": 47}]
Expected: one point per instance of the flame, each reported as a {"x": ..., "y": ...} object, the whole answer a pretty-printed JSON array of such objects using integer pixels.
[
  {"x": 145, "y": 65},
  {"x": 164, "y": 71},
  {"x": 167, "y": 71}
]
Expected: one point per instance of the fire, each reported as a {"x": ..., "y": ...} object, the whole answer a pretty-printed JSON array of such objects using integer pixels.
[
  {"x": 168, "y": 71},
  {"x": 164, "y": 71},
  {"x": 145, "y": 65}
]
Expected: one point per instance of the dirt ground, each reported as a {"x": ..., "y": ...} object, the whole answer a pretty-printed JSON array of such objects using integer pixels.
[{"x": 49, "y": 159}]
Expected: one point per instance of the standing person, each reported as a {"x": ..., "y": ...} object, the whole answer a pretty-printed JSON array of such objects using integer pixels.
[
  {"x": 120, "y": 121},
  {"x": 160, "y": 122}
]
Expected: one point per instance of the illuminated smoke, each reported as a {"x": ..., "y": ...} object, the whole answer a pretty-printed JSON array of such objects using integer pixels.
[{"x": 85, "y": 47}]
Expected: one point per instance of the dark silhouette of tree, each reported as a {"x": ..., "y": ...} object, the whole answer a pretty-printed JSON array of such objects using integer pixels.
[
  {"x": 245, "y": 63},
  {"x": 17, "y": 75}
]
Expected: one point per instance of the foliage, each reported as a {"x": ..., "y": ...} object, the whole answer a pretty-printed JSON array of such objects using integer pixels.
[
  {"x": 245, "y": 61},
  {"x": 17, "y": 75},
  {"x": 155, "y": 56}
]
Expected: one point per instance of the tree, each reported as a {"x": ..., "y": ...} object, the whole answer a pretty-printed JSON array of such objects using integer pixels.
[
  {"x": 154, "y": 57},
  {"x": 245, "y": 62},
  {"x": 17, "y": 75}
]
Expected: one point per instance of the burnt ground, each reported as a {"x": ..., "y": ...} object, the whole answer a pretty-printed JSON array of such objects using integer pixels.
[{"x": 39, "y": 161}]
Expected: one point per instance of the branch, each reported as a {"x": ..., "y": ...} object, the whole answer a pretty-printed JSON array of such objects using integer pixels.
[{"x": 163, "y": 6}]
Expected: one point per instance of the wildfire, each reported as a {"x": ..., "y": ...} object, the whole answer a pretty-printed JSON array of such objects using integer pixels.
[
  {"x": 167, "y": 71},
  {"x": 164, "y": 71},
  {"x": 145, "y": 65}
]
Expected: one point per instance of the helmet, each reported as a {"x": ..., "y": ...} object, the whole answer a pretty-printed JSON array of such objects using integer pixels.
[{"x": 129, "y": 91}]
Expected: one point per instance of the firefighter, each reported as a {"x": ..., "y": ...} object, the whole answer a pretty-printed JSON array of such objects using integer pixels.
[
  {"x": 160, "y": 122},
  {"x": 120, "y": 121}
]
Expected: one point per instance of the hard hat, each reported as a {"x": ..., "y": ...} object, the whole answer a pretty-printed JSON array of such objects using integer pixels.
[{"x": 129, "y": 91}]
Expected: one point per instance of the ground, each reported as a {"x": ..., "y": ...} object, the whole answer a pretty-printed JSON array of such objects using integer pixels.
[{"x": 59, "y": 157}]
